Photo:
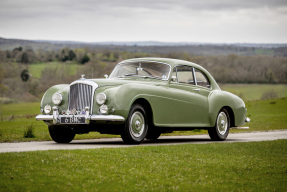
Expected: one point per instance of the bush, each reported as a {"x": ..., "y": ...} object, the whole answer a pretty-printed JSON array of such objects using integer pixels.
[
  {"x": 29, "y": 131},
  {"x": 85, "y": 59},
  {"x": 271, "y": 94}
]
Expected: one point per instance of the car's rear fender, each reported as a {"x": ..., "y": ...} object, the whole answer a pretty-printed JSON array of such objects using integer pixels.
[{"x": 222, "y": 99}]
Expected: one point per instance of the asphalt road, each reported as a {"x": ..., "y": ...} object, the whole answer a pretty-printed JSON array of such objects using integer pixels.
[{"x": 117, "y": 142}]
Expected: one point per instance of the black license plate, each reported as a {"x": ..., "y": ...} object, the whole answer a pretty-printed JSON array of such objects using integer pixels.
[{"x": 73, "y": 120}]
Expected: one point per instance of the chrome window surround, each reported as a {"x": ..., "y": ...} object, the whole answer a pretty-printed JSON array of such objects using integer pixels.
[
  {"x": 87, "y": 82},
  {"x": 147, "y": 62},
  {"x": 203, "y": 75},
  {"x": 194, "y": 77},
  {"x": 193, "y": 71},
  {"x": 192, "y": 74}
]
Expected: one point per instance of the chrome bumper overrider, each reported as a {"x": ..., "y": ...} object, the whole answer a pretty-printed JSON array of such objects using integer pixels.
[
  {"x": 56, "y": 117},
  {"x": 247, "y": 120}
]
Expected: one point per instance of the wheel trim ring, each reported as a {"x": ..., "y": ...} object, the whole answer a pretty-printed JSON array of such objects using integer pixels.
[
  {"x": 137, "y": 124},
  {"x": 222, "y": 123}
]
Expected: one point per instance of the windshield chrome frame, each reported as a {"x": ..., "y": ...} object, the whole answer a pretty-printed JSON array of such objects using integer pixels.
[{"x": 124, "y": 62}]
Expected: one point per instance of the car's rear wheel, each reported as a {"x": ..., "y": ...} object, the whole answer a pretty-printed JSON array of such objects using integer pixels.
[
  {"x": 61, "y": 134},
  {"x": 136, "y": 125},
  {"x": 221, "y": 129}
]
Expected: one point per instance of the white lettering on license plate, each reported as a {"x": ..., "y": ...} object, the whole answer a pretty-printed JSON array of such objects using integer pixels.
[{"x": 71, "y": 120}]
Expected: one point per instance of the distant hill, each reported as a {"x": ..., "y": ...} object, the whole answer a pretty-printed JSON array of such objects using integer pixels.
[
  {"x": 158, "y": 43},
  {"x": 154, "y": 47}
]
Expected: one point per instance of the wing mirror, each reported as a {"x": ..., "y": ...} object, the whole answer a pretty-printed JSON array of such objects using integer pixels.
[
  {"x": 106, "y": 76},
  {"x": 173, "y": 79}
]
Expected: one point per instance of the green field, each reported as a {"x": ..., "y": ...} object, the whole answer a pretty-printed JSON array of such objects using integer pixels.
[
  {"x": 265, "y": 115},
  {"x": 68, "y": 68},
  {"x": 253, "y": 166},
  {"x": 251, "y": 92}
]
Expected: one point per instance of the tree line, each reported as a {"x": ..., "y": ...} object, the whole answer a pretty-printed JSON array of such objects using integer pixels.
[{"x": 95, "y": 63}]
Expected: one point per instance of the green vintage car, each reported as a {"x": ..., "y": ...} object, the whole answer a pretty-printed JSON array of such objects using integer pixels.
[{"x": 142, "y": 98}]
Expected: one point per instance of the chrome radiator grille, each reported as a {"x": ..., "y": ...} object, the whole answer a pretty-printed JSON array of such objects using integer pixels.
[{"x": 80, "y": 96}]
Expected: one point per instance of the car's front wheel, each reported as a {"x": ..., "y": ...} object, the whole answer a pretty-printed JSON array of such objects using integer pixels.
[
  {"x": 136, "y": 125},
  {"x": 61, "y": 134},
  {"x": 221, "y": 129}
]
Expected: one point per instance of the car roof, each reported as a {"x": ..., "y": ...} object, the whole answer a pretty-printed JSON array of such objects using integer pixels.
[
  {"x": 172, "y": 62},
  {"x": 175, "y": 62}
]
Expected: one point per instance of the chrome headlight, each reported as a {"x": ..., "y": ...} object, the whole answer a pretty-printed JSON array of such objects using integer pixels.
[
  {"x": 47, "y": 109},
  {"x": 101, "y": 98},
  {"x": 57, "y": 98}
]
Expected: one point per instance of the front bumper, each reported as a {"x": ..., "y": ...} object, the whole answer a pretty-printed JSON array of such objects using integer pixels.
[{"x": 56, "y": 117}]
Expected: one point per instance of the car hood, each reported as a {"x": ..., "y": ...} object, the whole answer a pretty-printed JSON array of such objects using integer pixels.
[{"x": 118, "y": 82}]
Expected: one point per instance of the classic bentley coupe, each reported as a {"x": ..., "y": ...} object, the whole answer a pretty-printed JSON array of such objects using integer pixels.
[{"x": 142, "y": 98}]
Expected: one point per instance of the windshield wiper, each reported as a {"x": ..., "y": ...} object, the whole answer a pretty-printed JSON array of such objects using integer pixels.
[
  {"x": 132, "y": 74},
  {"x": 152, "y": 77},
  {"x": 127, "y": 75}
]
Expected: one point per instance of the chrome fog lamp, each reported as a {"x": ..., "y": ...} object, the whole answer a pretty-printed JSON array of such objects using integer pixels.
[
  {"x": 104, "y": 109},
  {"x": 101, "y": 98},
  {"x": 47, "y": 109},
  {"x": 57, "y": 98}
]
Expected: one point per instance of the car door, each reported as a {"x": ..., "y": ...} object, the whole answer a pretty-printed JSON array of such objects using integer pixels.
[{"x": 190, "y": 101}]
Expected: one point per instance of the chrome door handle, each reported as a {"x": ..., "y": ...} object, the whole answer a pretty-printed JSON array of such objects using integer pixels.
[{"x": 196, "y": 90}]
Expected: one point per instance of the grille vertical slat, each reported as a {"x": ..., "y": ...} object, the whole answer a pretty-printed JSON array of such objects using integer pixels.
[
  {"x": 81, "y": 102},
  {"x": 84, "y": 93},
  {"x": 90, "y": 92},
  {"x": 80, "y": 96}
]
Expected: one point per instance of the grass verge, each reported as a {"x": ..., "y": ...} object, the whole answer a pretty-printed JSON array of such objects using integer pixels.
[{"x": 253, "y": 166}]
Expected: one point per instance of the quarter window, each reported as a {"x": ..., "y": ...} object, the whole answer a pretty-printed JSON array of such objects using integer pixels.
[
  {"x": 201, "y": 78},
  {"x": 184, "y": 74}
]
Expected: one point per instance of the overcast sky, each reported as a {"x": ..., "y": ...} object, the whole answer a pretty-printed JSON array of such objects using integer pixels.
[{"x": 215, "y": 21}]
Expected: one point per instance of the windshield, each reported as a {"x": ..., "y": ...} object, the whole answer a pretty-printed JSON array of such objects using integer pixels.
[{"x": 142, "y": 69}]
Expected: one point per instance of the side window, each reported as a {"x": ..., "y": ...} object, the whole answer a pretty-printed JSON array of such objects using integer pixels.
[
  {"x": 201, "y": 78},
  {"x": 185, "y": 75}
]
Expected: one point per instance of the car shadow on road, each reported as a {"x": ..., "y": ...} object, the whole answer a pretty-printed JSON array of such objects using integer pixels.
[{"x": 147, "y": 142}]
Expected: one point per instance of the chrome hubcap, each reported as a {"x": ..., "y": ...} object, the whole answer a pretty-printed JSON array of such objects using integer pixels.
[
  {"x": 137, "y": 124},
  {"x": 222, "y": 123}
]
